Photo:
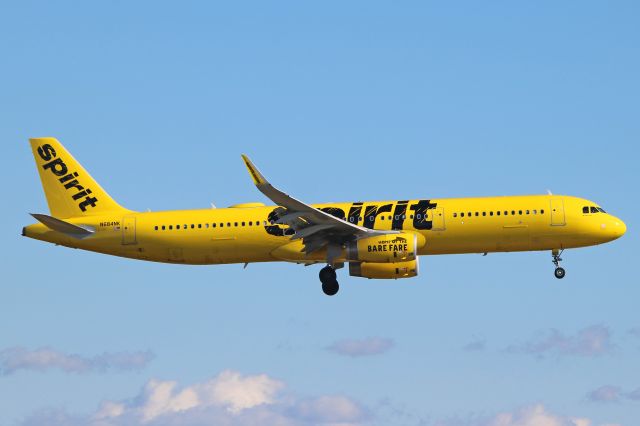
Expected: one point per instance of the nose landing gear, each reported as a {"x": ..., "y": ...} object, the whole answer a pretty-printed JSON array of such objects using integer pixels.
[
  {"x": 559, "y": 272},
  {"x": 330, "y": 285}
]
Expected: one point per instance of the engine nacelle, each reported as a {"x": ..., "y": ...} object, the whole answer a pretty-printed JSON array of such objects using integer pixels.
[
  {"x": 390, "y": 248},
  {"x": 384, "y": 271}
]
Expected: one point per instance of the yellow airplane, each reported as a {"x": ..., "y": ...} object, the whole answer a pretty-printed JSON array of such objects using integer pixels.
[{"x": 378, "y": 239}]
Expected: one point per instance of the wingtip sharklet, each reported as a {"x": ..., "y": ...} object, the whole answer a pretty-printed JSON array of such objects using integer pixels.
[{"x": 257, "y": 177}]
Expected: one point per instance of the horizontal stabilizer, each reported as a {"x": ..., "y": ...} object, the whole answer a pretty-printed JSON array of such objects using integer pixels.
[{"x": 63, "y": 227}]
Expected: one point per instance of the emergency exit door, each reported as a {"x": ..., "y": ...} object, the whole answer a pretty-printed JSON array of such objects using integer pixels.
[
  {"x": 128, "y": 230},
  {"x": 437, "y": 218},
  {"x": 557, "y": 212}
]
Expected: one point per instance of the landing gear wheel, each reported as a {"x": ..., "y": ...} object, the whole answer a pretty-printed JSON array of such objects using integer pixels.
[
  {"x": 327, "y": 274},
  {"x": 559, "y": 272},
  {"x": 330, "y": 288}
]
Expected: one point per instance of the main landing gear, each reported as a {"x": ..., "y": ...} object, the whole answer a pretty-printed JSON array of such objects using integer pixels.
[
  {"x": 330, "y": 285},
  {"x": 559, "y": 272}
]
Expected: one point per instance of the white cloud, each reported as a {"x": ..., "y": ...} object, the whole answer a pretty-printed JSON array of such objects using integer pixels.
[
  {"x": 605, "y": 394},
  {"x": 591, "y": 341},
  {"x": 238, "y": 393},
  {"x": 536, "y": 415},
  {"x": 634, "y": 395},
  {"x": 19, "y": 358},
  {"x": 230, "y": 398},
  {"x": 364, "y": 347},
  {"x": 609, "y": 393}
]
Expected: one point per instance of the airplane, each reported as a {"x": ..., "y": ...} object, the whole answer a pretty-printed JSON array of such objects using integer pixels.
[{"x": 377, "y": 239}]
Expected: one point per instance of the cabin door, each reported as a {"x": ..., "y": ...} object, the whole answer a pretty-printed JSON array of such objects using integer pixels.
[
  {"x": 129, "y": 230},
  {"x": 557, "y": 212},
  {"x": 437, "y": 219}
]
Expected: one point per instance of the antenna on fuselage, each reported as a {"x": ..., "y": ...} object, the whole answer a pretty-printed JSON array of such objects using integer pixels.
[
  {"x": 213, "y": 206},
  {"x": 549, "y": 192}
]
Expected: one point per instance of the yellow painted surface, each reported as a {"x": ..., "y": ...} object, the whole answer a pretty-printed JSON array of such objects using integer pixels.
[{"x": 237, "y": 235}]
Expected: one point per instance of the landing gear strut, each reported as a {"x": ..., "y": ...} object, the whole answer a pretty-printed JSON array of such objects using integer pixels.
[
  {"x": 559, "y": 272},
  {"x": 330, "y": 285}
]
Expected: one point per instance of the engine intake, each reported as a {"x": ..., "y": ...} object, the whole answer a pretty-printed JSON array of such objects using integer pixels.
[
  {"x": 384, "y": 270},
  {"x": 390, "y": 248}
]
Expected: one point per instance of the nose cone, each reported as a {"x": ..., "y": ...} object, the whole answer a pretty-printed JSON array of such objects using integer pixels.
[{"x": 619, "y": 228}]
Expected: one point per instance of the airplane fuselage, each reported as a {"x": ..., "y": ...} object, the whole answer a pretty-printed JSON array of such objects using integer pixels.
[{"x": 246, "y": 233}]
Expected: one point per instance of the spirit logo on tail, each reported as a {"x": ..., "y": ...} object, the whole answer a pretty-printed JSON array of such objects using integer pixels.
[{"x": 58, "y": 167}]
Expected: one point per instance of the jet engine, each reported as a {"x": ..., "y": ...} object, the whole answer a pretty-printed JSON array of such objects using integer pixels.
[{"x": 383, "y": 271}]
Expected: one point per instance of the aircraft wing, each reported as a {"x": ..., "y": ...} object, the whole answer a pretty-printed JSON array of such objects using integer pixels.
[{"x": 315, "y": 227}]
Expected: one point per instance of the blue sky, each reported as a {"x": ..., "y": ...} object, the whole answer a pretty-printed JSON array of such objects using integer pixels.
[{"x": 334, "y": 101}]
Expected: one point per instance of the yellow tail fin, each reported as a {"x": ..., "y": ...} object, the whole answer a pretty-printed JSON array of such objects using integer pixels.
[{"x": 69, "y": 189}]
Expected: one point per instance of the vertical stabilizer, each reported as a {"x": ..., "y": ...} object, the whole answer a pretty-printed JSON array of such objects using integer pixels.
[{"x": 69, "y": 189}]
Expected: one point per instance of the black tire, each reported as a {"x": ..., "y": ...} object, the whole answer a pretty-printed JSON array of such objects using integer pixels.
[
  {"x": 327, "y": 274},
  {"x": 559, "y": 273},
  {"x": 330, "y": 288}
]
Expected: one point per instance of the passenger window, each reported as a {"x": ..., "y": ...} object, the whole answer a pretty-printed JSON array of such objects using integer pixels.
[
  {"x": 243, "y": 223},
  {"x": 250, "y": 223},
  {"x": 469, "y": 214},
  {"x": 193, "y": 226},
  {"x": 221, "y": 225},
  {"x": 527, "y": 212},
  {"x": 155, "y": 227},
  {"x": 455, "y": 215},
  {"x": 490, "y": 213},
  {"x": 382, "y": 217},
  {"x": 594, "y": 210},
  {"x": 498, "y": 213},
  {"x": 461, "y": 214},
  {"x": 541, "y": 211},
  {"x": 585, "y": 209},
  {"x": 513, "y": 212},
  {"x": 477, "y": 214},
  {"x": 199, "y": 226},
  {"x": 163, "y": 227},
  {"x": 170, "y": 227},
  {"x": 520, "y": 212},
  {"x": 535, "y": 212}
]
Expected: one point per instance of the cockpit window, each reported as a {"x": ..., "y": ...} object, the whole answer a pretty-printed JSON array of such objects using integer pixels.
[
  {"x": 594, "y": 209},
  {"x": 585, "y": 209},
  {"x": 601, "y": 210}
]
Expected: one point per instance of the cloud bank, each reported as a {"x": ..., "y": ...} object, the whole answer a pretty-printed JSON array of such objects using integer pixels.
[
  {"x": 18, "y": 358},
  {"x": 365, "y": 347},
  {"x": 591, "y": 341},
  {"x": 229, "y": 398},
  {"x": 609, "y": 393}
]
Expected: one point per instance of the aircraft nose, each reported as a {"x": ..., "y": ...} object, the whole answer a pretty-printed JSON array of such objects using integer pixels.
[{"x": 619, "y": 228}]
